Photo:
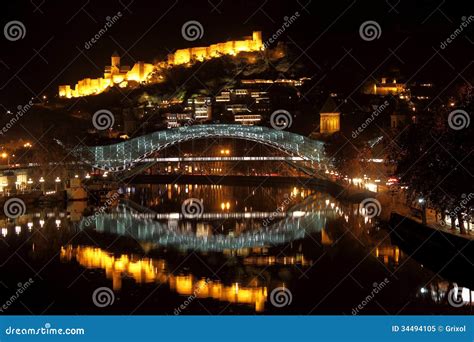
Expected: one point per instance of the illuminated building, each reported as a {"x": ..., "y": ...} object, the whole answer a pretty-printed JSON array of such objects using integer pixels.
[
  {"x": 174, "y": 120},
  {"x": 224, "y": 96},
  {"x": 121, "y": 75},
  {"x": 329, "y": 117},
  {"x": 283, "y": 81},
  {"x": 200, "y": 107},
  {"x": 114, "y": 74},
  {"x": 383, "y": 88},
  {"x": 232, "y": 47},
  {"x": 248, "y": 119}
]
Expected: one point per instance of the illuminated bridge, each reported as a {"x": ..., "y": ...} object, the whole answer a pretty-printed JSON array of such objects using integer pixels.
[
  {"x": 123, "y": 156},
  {"x": 164, "y": 229}
]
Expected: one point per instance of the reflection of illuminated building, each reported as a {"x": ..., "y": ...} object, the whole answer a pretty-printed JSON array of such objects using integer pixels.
[
  {"x": 388, "y": 254},
  {"x": 298, "y": 259},
  {"x": 150, "y": 270},
  {"x": 325, "y": 238},
  {"x": 444, "y": 292}
]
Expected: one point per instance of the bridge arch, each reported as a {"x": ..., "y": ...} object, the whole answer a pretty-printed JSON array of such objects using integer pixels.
[{"x": 124, "y": 155}]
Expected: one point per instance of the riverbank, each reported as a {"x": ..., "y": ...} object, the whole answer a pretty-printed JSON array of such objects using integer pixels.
[
  {"x": 391, "y": 205},
  {"x": 444, "y": 252}
]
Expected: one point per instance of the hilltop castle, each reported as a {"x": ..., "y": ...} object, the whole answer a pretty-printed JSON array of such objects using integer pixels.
[
  {"x": 116, "y": 74},
  {"x": 232, "y": 47}
]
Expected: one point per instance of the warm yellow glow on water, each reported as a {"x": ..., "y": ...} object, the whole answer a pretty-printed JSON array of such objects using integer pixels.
[{"x": 146, "y": 270}]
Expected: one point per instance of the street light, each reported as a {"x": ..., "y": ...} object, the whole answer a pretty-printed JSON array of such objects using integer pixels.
[
  {"x": 422, "y": 202},
  {"x": 5, "y": 155}
]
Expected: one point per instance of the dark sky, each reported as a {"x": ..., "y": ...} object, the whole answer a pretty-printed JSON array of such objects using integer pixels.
[{"x": 325, "y": 37}]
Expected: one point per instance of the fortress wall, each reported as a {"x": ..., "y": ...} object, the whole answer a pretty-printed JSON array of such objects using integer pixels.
[{"x": 115, "y": 73}]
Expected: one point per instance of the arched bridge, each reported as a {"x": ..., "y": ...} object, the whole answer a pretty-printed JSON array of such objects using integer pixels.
[{"x": 124, "y": 155}]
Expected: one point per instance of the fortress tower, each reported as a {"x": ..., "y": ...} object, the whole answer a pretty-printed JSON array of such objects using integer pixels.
[
  {"x": 115, "y": 63},
  {"x": 257, "y": 39},
  {"x": 115, "y": 60}
]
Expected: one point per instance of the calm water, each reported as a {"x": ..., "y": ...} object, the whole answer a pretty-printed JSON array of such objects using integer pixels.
[{"x": 272, "y": 250}]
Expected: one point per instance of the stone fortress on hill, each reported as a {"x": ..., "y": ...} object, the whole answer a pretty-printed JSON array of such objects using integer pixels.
[{"x": 121, "y": 75}]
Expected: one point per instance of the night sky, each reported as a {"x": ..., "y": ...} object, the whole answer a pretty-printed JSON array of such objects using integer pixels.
[{"x": 325, "y": 37}]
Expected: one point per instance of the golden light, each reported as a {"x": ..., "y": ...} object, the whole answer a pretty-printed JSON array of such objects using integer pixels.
[
  {"x": 4, "y": 155},
  {"x": 27, "y": 145}
]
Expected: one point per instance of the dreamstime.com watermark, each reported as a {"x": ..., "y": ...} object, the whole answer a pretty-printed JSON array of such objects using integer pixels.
[
  {"x": 370, "y": 207},
  {"x": 459, "y": 296},
  {"x": 14, "y": 207},
  {"x": 461, "y": 206},
  {"x": 285, "y": 203},
  {"x": 370, "y": 119},
  {"x": 459, "y": 119},
  {"x": 465, "y": 22},
  {"x": 22, "y": 110},
  {"x": 103, "y": 296},
  {"x": 192, "y": 208},
  {"x": 22, "y": 287},
  {"x": 111, "y": 20},
  {"x": 370, "y": 30},
  {"x": 108, "y": 202},
  {"x": 46, "y": 330},
  {"x": 191, "y": 297},
  {"x": 103, "y": 119},
  {"x": 192, "y": 30},
  {"x": 280, "y": 297},
  {"x": 377, "y": 288},
  {"x": 281, "y": 119},
  {"x": 288, "y": 21},
  {"x": 14, "y": 30}
]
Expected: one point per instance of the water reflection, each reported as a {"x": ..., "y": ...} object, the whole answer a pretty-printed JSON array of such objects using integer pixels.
[
  {"x": 448, "y": 293},
  {"x": 147, "y": 270},
  {"x": 308, "y": 246},
  {"x": 162, "y": 229},
  {"x": 389, "y": 254}
]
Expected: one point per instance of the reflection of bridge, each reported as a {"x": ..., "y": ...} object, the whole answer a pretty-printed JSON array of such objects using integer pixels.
[
  {"x": 306, "y": 217},
  {"x": 124, "y": 155}
]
